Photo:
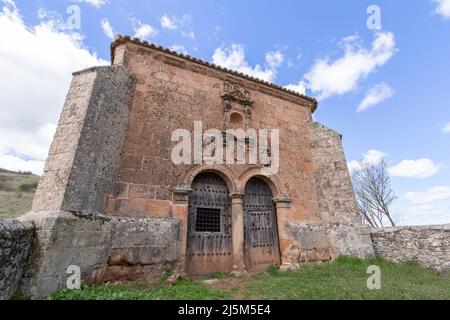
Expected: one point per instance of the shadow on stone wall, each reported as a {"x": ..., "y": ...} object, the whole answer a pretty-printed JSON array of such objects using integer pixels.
[{"x": 16, "y": 238}]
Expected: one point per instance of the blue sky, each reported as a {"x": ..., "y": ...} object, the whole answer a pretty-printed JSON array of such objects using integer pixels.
[{"x": 401, "y": 71}]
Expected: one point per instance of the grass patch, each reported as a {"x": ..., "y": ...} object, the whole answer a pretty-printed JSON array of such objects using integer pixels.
[
  {"x": 217, "y": 275},
  {"x": 185, "y": 289},
  {"x": 346, "y": 278},
  {"x": 16, "y": 193},
  {"x": 343, "y": 279},
  {"x": 28, "y": 187}
]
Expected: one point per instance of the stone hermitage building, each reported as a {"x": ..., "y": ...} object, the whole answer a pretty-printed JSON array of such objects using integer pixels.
[{"x": 112, "y": 202}]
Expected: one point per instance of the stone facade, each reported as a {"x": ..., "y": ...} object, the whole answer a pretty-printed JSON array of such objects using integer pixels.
[
  {"x": 429, "y": 246},
  {"x": 112, "y": 202},
  {"x": 15, "y": 243}
]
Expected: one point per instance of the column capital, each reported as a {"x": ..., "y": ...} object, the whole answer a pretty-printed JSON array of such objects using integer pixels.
[
  {"x": 283, "y": 201},
  {"x": 237, "y": 195},
  {"x": 183, "y": 189},
  {"x": 180, "y": 194}
]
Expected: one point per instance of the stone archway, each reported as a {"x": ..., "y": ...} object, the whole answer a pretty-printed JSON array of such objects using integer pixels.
[{"x": 209, "y": 234}]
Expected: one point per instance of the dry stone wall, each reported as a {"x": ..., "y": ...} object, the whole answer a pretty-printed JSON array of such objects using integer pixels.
[{"x": 427, "y": 245}]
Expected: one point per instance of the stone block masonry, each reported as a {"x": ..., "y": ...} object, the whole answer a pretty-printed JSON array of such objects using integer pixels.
[
  {"x": 112, "y": 202},
  {"x": 428, "y": 246},
  {"x": 83, "y": 158},
  {"x": 324, "y": 242},
  {"x": 104, "y": 248},
  {"x": 333, "y": 184},
  {"x": 16, "y": 238}
]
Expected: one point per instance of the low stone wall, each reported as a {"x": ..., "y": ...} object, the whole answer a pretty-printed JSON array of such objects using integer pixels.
[
  {"x": 105, "y": 248},
  {"x": 324, "y": 242},
  {"x": 427, "y": 245},
  {"x": 142, "y": 249},
  {"x": 15, "y": 242}
]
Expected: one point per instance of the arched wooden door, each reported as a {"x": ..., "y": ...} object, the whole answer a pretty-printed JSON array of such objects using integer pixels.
[
  {"x": 209, "y": 243},
  {"x": 261, "y": 246}
]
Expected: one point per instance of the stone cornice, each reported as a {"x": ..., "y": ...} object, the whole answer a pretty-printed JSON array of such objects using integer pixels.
[{"x": 286, "y": 93}]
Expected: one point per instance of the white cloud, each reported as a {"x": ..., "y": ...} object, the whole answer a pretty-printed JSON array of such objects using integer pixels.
[
  {"x": 14, "y": 163},
  {"x": 424, "y": 208},
  {"x": 274, "y": 59},
  {"x": 179, "y": 48},
  {"x": 425, "y": 214},
  {"x": 446, "y": 128},
  {"x": 375, "y": 95},
  {"x": 371, "y": 157},
  {"x": 107, "y": 29},
  {"x": 328, "y": 78},
  {"x": 421, "y": 168},
  {"x": 374, "y": 156},
  {"x": 169, "y": 23},
  {"x": 178, "y": 23},
  {"x": 188, "y": 34},
  {"x": 233, "y": 57},
  {"x": 39, "y": 61},
  {"x": 299, "y": 87},
  {"x": 443, "y": 8},
  {"x": 144, "y": 31},
  {"x": 95, "y": 3},
  {"x": 430, "y": 196}
]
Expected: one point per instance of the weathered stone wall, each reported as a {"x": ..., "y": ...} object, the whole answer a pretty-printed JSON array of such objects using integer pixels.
[
  {"x": 15, "y": 242},
  {"x": 104, "y": 248},
  {"x": 333, "y": 184},
  {"x": 324, "y": 242},
  {"x": 171, "y": 93},
  {"x": 427, "y": 245},
  {"x": 142, "y": 249}
]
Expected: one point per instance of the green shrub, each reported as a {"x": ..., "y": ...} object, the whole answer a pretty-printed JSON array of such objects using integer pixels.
[
  {"x": 217, "y": 275},
  {"x": 272, "y": 270},
  {"x": 4, "y": 184},
  {"x": 28, "y": 187}
]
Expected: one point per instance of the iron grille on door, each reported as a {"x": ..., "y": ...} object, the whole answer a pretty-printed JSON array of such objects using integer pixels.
[{"x": 207, "y": 220}]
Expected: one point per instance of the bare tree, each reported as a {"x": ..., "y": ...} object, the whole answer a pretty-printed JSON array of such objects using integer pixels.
[{"x": 374, "y": 194}]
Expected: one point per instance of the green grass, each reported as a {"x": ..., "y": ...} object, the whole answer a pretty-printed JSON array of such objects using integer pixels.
[
  {"x": 217, "y": 275},
  {"x": 184, "y": 290},
  {"x": 344, "y": 278},
  {"x": 16, "y": 193}
]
